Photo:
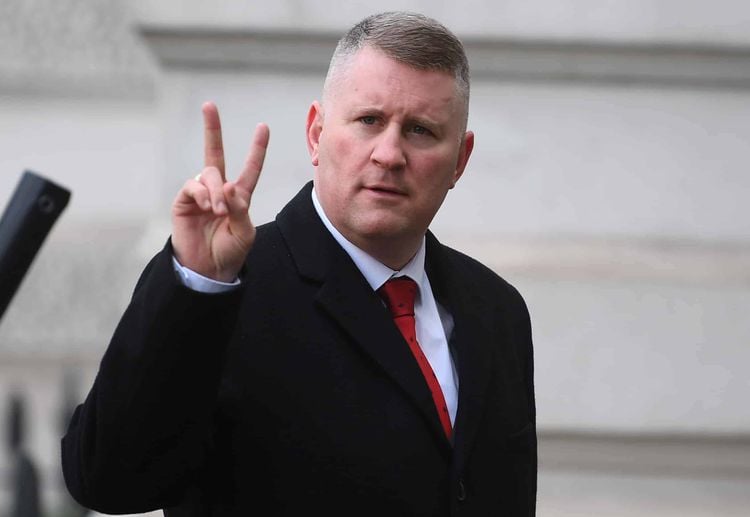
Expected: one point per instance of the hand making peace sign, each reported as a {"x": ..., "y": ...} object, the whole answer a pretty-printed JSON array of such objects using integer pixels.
[{"x": 211, "y": 228}]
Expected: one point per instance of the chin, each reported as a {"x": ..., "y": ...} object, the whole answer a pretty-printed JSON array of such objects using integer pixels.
[{"x": 386, "y": 232}]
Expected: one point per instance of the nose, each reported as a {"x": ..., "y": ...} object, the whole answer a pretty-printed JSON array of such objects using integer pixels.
[{"x": 388, "y": 151}]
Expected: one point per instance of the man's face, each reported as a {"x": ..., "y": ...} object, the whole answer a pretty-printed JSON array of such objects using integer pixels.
[{"x": 387, "y": 144}]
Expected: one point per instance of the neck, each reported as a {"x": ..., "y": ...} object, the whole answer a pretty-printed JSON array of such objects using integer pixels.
[{"x": 393, "y": 253}]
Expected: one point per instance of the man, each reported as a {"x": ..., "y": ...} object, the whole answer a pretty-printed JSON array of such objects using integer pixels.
[{"x": 264, "y": 372}]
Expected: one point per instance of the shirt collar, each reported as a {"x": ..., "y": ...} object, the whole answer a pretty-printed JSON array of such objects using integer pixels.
[{"x": 376, "y": 273}]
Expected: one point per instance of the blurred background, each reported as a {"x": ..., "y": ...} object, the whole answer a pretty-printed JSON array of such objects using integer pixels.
[{"x": 609, "y": 183}]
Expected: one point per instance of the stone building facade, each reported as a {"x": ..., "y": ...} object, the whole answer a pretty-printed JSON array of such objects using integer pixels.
[{"x": 608, "y": 183}]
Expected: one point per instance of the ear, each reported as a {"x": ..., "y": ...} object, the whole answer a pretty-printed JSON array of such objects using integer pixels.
[
  {"x": 464, "y": 151},
  {"x": 314, "y": 129}
]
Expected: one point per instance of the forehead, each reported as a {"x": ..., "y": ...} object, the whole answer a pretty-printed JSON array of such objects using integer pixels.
[{"x": 370, "y": 77}]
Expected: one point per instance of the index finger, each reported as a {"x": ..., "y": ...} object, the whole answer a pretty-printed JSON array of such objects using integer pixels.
[
  {"x": 213, "y": 146},
  {"x": 255, "y": 157}
]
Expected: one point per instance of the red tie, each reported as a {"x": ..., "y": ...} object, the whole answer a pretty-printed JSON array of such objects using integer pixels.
[{"x": 399, "y": 294}]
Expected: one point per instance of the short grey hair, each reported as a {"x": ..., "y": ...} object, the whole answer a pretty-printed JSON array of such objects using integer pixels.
[{"x": 410, "y": 38}]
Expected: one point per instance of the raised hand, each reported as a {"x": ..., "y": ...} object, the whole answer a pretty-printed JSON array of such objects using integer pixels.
[{"x": 211, "y": 228}]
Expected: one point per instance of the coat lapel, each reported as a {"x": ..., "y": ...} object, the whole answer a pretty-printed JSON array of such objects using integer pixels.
[
  {"x": 470, "y": 343},
  {"x": 347, "y": 298}
]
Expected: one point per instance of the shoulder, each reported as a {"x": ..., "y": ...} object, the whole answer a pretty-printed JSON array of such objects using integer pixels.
[
  {"x": 267, "y": 235},
  {"x": 269, "y": 246},
  {"x": 473, "y": 274},
  {"x": 472, "y": 282}
]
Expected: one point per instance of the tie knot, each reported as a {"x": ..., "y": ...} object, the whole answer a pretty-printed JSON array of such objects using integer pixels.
[{"x": 399, "y": 294}]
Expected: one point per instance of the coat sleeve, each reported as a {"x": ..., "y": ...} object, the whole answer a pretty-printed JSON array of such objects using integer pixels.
[{"x": 143, "y": 434}]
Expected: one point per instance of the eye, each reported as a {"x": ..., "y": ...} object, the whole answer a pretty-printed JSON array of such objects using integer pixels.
[
  {"x": 368, "y": 120},
  {"x": 420, "y": 130}
]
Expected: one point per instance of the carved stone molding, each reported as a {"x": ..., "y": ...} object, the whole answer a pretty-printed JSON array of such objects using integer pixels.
[
  {"x": 698, "y": 456},
  {"x": 670, "y": 65}
]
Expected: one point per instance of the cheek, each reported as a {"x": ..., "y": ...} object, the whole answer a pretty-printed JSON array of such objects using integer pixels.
[
  {"x": 337, "y": 146},
  {"x": 437, "y": 172},
  {"x": 336, "y": 159}
]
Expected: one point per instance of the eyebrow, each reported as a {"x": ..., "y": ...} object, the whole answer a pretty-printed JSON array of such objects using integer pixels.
[
  {"x": 421, "y": 121},
  {"x": 429, "y": 123}
]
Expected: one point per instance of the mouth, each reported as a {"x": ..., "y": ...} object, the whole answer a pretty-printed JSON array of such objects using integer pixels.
[{"x": 385, "y": 190}]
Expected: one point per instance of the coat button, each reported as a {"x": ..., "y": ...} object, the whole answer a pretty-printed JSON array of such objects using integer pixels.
[{"x": 461, "y": 495}]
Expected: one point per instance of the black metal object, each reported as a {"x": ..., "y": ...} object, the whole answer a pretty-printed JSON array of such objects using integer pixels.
[
  {"x": 29, "y": 216},
  {"x": 35, "y": 206}
]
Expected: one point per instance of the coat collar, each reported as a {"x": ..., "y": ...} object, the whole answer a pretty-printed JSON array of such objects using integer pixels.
[{"x": 346, "y": 297}]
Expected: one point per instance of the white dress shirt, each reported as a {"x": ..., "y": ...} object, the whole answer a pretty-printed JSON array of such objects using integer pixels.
[{"x": 433, "y": 322}]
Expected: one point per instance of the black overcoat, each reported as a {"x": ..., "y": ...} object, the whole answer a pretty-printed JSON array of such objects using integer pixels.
[{"x": 296, "y": 394}]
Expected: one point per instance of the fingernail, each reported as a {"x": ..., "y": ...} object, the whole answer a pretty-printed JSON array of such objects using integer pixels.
[{"x": 221, "y": 207}]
